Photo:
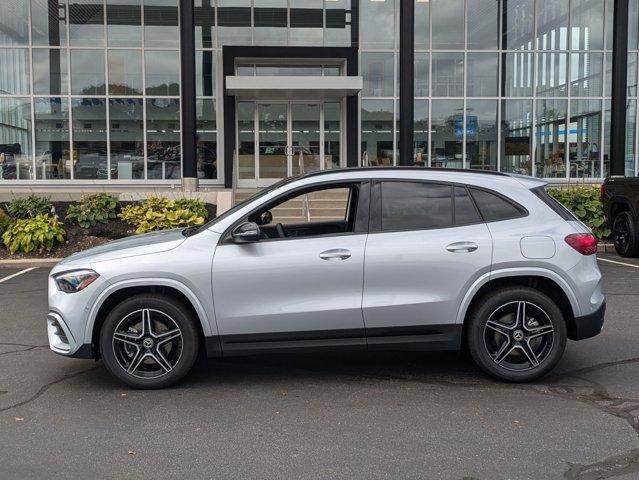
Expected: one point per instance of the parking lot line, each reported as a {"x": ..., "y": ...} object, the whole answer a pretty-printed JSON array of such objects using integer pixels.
[
  {"x": 9, "y": 277},
  {"x": 618, "y": 263}
]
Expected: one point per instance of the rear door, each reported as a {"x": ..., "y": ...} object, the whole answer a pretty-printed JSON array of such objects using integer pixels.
[{"x": 427, "y": 245}]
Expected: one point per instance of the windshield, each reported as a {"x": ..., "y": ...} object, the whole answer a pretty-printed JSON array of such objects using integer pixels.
[{"x": 258, "y": 194}]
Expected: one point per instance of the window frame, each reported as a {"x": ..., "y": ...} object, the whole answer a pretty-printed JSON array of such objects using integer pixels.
[{"x": 362, "y": 210}]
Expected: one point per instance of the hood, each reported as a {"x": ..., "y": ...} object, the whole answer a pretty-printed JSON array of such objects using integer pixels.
[{"x": 131, "y": 246}]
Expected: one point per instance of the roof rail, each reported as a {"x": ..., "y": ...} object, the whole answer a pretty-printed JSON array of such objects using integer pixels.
[{"x": 417, "y": 169}]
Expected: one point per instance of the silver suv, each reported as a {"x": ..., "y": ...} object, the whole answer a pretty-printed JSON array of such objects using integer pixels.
[{"x": 368, "y": 259}]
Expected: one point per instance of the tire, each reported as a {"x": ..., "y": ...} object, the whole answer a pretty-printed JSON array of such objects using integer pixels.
[
  {"x": 624, "y": 235},
  {"x": 493, "y": 334},
  {"x": 149, "y": 360}
]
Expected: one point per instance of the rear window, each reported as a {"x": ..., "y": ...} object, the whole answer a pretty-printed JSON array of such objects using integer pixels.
[
  {"x": 416, "y": 206},
  {"x": 555, "y": 205},
  {"x": 494, "y": 207}
]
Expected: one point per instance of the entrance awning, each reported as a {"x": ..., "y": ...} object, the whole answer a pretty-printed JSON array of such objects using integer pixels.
[{"x": 293, "y": 87}]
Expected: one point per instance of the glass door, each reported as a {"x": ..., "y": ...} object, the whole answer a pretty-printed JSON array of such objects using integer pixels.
[
  {"x": 306, "y": 143},
  {"x": 273, "y": 153}
]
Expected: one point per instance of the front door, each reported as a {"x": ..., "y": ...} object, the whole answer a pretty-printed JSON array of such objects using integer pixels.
[{"x": 277, "y": 139}]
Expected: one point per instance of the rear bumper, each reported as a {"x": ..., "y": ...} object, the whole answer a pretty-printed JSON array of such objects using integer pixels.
[{"x": 588, "y": 325}]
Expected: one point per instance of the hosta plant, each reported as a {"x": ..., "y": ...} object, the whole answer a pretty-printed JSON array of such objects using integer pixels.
[
  {"x": 159, "y": 213},
  {"x": 93, "y": 209},
  {"x": 33, "y": 234},
  {"x": 585, "y": 203},
  {"x": 29, "y": 207}
]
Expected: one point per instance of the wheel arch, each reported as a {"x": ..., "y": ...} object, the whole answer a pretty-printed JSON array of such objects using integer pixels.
[
  {"x": 542, "y": 280},
  {"x": 120, "y": 291},
  {"x": 617, "y": 205}
]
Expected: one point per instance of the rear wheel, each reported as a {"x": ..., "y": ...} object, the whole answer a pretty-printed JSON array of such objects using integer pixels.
[
  {"x": 516, "y": 334},
  {"x": 624, "y": 235},
  {"x": 149, "y": 341}
]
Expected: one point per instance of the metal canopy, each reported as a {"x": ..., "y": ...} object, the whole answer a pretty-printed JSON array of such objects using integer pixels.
[{"x": 293, "y": 87}]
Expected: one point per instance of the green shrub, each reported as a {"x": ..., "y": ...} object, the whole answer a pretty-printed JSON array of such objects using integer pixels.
[
  {"x": 29, "y": 207},
  {"x": 585, "y": 203},
  {"x": 31, "y": 234},
  {"x": 160, "y": 213},
  {"x": 93, "y": 209},
  {"x": 5, "y": 221}
]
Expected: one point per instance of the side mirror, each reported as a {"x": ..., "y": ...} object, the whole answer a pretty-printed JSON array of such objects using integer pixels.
[{"x": 246, "y": 232}]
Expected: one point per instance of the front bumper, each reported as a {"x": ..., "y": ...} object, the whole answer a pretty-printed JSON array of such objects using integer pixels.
[
  {"x": 588, "y": 326},
  {"x": 62, "y": 341}
]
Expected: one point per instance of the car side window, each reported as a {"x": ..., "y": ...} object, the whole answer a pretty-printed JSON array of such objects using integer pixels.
[
  {"x": 465, "y": 211},
  {"x": 415, "y": 205},
  {"x": 494, "y": 207}
]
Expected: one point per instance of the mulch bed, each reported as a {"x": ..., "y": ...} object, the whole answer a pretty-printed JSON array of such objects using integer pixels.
[{"x": 79, "y": 238}]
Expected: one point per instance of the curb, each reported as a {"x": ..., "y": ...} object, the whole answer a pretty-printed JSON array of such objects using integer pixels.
[
  {"x": 605, "y": 248},
  {"x": 29, "y": 262}
]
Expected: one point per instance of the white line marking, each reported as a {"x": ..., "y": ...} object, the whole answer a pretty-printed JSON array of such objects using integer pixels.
[
  {"x": 605, "y": 260},
  {"x": 9, "y": 277}
]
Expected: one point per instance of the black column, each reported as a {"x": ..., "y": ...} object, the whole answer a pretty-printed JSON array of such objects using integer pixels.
[
  {"x": 619, "y": 81},
  {"x": 406, "y": 81},
  {"x": 228, "y": 62},
  {"x": 187, "y": 79}
]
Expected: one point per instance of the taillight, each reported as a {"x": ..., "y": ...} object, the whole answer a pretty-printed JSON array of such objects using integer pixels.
[{"x": 584, "y": 243}]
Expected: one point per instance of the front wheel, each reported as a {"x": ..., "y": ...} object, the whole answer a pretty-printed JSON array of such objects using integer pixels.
[
  {"x": 624, "y": 235},
  {"x": 149, "y": 341},
  {"x": 516, "y": 334}
]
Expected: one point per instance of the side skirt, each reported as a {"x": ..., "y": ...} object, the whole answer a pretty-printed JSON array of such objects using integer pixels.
[{"x": 422, "y": 337}]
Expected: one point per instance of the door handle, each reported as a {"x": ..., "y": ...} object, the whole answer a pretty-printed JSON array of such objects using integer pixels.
[
  {"x": 462, "y": 247},
  {"x": 335, "y": 254}
]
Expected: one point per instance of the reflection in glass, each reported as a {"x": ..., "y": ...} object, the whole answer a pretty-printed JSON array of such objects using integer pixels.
[
  {"x": 52, "y": 148},
  {"x": 550, "y": 133},
  {"x": 448, "y": 74},
  {"x": 163, "y": 138},
  {"x": 377, "y": 70},
  {"x": 269, "y": 22},
  {"x": 586, "y": 74},
  {"x": 552, "y": 73},
  {"x": 421, "y": 74},
  {"x": 448, "y": 24},
  {"x": 205, "y": 73},
  {"x": 584, "y": 138},
  {"x": 124, "y": 23},
  {"x": 631, "y": 129},
  {"x": 552, "y": 24},
  {"x": 517, "y": 74},
  {"x": 246, "y": 139},
  {"x": 127, "y": 138},
  {"x": 86, "y": 23},
  {"x": 633, "y": 24},
  {"x": 422, "y": 14},
  {"x": 481, "y": 77},
  {"x": 272, "y": 141},
  {"x": 305, "y": 137},
  {"x": 447, "y": 133},
  {"x": 48, "y": 22},
  {"x": 420, "y": 133},
  {"x": 631, "y": 77},
  {"x": 587, "y": 20},
  {"x": 294, "y": 70},
  {"x": 481, "y": 134},
  {"x": 206, "y": 139},
  {"x": 14, "y": 76},
  {"x": 332, "y": 136},
  {"x": 516, "y": 136},
  {"x": 87, "y": 72},
  {"x": 332, "y": 71},
  {"x": 234, "y": 22},
  {"x": 15, "y": 139},
  {"x": 125, "y": 72},
  {"x": 50, "y": 71},
  {"x": 204, "y": 23},
  {"x": 518, "y": 24},
  {"x": 377, "y": 133},
  {"x": 307, "y": 22},
  {"x": 162, "y": 72},
  {"x": 377, "y": 28},
  {"x": 161, "y": 23},
  {"x": 245, "y": 70},
  {"x": 483, "y": 24},
  {"x": 89, "y": 138},
  {"x": 339, "y": 18}
]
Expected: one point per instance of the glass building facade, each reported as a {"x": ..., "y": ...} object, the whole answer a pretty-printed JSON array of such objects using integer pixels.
[{"x": 91, "y": 90}]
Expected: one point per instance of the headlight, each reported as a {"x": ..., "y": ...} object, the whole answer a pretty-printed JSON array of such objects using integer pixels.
[{"x": 71, "y": 282}]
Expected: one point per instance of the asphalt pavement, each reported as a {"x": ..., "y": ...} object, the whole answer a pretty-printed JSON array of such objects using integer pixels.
[{"x": 328, "y": 416}]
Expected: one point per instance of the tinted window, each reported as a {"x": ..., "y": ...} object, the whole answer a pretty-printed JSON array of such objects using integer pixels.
[
  {"x": 415, "y": 206},
  {"x": 465, "y": 211},
  {"x": 493, "y": 207}
]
